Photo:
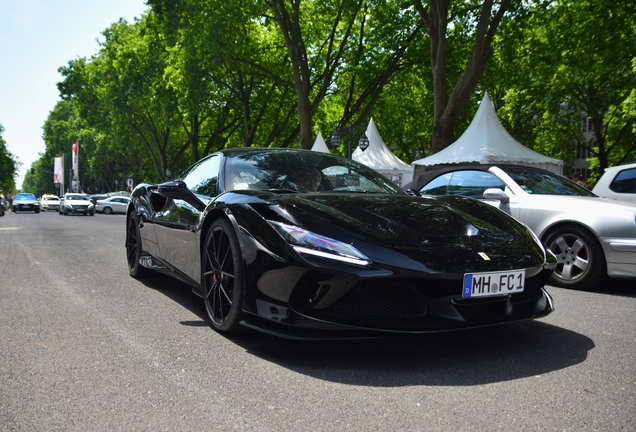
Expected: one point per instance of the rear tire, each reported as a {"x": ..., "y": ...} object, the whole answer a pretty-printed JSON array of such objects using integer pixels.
[
  {"x": 108, "y": 210},
  {"x": 580, "y": 258},
  {"x": 223, "y": 278}
]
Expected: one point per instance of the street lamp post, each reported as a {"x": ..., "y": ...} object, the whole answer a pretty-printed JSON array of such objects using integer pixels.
[{"x": 336, "y": 140}]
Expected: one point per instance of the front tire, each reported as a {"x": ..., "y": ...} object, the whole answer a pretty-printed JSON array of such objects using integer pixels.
[
  {"x": 222, "y": 277},
  {"x": 133, "y": 249},
  {"x": 580, "y": 259}
]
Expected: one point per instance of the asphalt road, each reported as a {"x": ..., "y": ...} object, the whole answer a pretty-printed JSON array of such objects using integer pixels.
[{"x": 84, "y": 347}]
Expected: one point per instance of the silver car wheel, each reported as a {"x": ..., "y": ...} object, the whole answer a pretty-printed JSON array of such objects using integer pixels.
[{"x": 580, "y": 260}]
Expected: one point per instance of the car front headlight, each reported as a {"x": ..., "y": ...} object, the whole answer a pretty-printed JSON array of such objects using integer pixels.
[{"x": 309, "y": 243}]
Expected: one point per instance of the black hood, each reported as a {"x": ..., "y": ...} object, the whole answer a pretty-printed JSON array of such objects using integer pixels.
[
  {"x": 448, "y": 232},
  {"x": 402, "y": 220}
]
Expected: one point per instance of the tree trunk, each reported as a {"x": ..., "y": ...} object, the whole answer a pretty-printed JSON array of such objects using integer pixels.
[{"x": 447, "y": 109}]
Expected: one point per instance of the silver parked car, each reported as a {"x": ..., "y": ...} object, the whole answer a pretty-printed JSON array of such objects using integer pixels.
[
  {"x": 591, "y": 237},
  {"x": 618, "y": 183},
  {"x": 113, "y": 204}
]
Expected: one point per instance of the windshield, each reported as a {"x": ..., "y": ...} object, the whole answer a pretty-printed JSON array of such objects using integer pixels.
[
  {"x": 24, "y": 197},
  {"x": 303, "y": 171},
  {"x": 76, "y": 197},
  {"x": 540, "y": 182}
]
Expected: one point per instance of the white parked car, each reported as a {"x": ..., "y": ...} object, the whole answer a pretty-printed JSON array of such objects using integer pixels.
[
  {"x": 618, "y": 183},
  {"x": 76, "y": 203},
  {"x": 591, "y": 237},
  {"x": 113, "y": 204}
]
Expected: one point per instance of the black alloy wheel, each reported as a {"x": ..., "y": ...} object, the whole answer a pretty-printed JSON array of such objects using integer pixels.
[
  {"x": 222, "y": 278},
  {"x": 133, "y": 249},
  {"x": 580, "y": 259},
  {"x": 108, "y": 210}
]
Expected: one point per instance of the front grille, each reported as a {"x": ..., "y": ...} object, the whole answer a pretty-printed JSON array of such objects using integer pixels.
[{"x": 379, "y": 301}]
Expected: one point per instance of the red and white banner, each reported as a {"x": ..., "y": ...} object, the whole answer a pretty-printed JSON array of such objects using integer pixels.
[{"x": 76, "y": 159}]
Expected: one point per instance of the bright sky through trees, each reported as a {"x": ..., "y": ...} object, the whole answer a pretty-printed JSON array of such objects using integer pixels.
[{"x": 36, "y": 38}]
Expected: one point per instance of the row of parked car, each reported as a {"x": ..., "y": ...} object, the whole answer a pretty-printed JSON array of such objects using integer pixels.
[{"x": 70, "y": 203}]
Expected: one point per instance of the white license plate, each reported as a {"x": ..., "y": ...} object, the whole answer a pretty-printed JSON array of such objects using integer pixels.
[{"x": 494, "y": 283}]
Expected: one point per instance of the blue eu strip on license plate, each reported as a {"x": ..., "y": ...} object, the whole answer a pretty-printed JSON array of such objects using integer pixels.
[{"x": 493, "y": 283}]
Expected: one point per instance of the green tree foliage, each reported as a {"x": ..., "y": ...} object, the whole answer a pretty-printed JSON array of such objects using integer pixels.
[
  {"x": 194, "y": 76},
  {"x": 567, "y": 69},
  {"x": 8, "y": 165}
]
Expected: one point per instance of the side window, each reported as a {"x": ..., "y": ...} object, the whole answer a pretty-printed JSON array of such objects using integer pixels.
[
  {"x": 473, "y": 183},
  {"x": 203, "y": 177},
  {"x": 438, "y": 186},
  {"x": 624, "y": 182}
]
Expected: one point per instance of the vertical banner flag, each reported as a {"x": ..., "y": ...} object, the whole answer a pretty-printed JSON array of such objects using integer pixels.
[
  {"x": 75, "y": 160},
  {"x": 58, "y": 169}
]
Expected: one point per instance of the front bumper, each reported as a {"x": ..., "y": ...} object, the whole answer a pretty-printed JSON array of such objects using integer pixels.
[
  {"x": 79, "y": 209},
  {"x": 300, "y": 303},
  {"x": 26, "y": 207}
]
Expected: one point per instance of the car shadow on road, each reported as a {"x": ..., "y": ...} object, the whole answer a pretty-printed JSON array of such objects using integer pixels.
[{"x": 459, "y": 358}]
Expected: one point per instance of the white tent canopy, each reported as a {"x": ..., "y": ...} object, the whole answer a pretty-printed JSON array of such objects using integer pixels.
[
  {"x": 320, "y": 145},
  {"x": 486, "y": 141},
  {"x": 379, "y": 157}
]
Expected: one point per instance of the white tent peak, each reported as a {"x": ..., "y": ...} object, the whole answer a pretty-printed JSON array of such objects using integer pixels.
[
  {"x": 486, "y": 141},
  {"x": 320, "y": 145},
  {"x": 379, "y": 157}
]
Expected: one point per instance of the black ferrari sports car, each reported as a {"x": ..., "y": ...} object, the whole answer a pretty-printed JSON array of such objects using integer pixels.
[{"x": 309, "y": 245}]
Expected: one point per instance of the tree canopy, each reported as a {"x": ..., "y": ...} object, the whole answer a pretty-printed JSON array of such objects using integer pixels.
[
  {"x": 193, "y": 76},
  {"x": 8, "y": 166}
]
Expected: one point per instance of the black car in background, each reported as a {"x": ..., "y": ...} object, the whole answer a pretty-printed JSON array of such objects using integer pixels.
[
  {"x": 309, "y": 245},
  {"x": 26, "y": 202},
  {"x": 3, "y": 206}
]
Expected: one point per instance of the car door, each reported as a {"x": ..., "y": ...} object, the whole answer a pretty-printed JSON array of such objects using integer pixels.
[
  {"x": 177, "y": 225},
  {"x": 119, "y": 205}
]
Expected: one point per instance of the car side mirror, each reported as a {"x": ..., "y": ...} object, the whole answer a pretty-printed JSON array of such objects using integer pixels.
[
  {"x": 179, "y": 190},
  {"x": 496, "y": 194},
  {"x": 412, "y": 191}
]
